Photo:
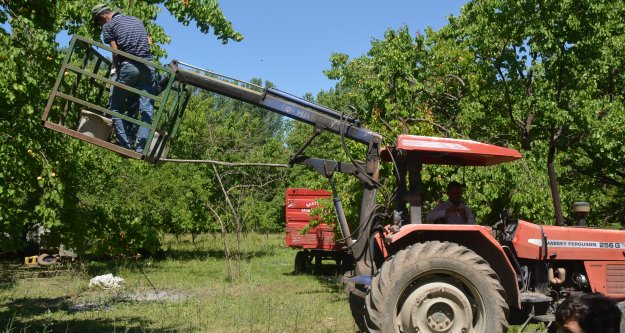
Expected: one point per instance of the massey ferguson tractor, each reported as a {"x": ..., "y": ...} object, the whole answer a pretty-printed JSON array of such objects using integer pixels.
[{"x": 408, "y": 276}]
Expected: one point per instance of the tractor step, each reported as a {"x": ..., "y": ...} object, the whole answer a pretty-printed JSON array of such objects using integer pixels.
[
  {"x": 534, "y": 297},
  {"x": 361, "y": 279},
  {"x": 546, "y": 318}
]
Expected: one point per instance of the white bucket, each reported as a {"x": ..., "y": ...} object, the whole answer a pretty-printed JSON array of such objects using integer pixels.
[{"x": 95, "y": 126}]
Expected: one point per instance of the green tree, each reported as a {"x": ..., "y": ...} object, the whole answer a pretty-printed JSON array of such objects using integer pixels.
[
  {"x": 218, "y": 130},
  {"x": 539, "y": 77},
  {"x": 36, "y": 178},
  {"x": 548, "y": 76}
]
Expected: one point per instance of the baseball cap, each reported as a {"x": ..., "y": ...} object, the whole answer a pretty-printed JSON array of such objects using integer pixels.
[{"x": 98, "y": 9}]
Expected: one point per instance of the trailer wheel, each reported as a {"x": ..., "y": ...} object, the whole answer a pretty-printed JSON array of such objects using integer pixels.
[
  {"x": 437, "y": 287},
  {"x": 300, "y": 262}
]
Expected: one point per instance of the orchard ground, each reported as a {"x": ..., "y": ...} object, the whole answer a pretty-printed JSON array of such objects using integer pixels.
[{"x": 187, "y": 289}]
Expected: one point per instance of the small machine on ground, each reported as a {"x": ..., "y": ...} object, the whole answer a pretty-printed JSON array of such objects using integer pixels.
[{"x": 407, "y": 276}]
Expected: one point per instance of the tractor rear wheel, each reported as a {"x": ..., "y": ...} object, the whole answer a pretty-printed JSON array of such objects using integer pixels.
[
  {"x": 621, "y": 307},
  {"x": 437, "y": 287}
]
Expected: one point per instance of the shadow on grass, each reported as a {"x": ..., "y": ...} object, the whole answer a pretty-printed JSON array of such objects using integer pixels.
[
  {"x": 113, "y": 265},
  {"x": 8, "y": 277},
  {"x": 29, "y": 306},
  {"x": 200, "y": 254},
  {"x": 15, "y": 318},
  {"x": 11, "y": 273},
  {"x": 332, "y": 283},
  {"x": 82, "y": 325},
  {"x": 327, "y": 273}
]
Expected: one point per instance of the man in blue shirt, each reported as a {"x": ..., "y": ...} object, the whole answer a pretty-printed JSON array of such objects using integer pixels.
[{"x": 128, "y": 34}]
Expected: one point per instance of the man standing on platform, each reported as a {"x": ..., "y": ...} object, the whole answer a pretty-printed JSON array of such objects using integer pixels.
[{"x": 128, "y": 34}]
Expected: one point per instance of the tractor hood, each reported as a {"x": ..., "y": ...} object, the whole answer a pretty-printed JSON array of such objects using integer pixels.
[{"x": 445, "y": 151}]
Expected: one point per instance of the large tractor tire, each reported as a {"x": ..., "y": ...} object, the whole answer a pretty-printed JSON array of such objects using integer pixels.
[
  {"x": 437, "y": 287},
  {"x": 621, "y": 307},
  {"x": 46, "y": 259}
]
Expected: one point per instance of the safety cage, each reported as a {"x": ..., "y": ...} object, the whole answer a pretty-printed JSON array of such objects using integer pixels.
[{"x": 79, "y": 102}]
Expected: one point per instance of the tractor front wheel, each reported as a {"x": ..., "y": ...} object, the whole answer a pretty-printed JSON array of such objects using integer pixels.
[{"x": 437, "y": 287}]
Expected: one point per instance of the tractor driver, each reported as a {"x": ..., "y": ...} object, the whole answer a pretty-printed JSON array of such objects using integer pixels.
[{"x": 452, "y": 211}]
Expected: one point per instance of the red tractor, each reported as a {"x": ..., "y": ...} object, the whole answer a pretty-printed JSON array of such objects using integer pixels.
[
  {"x": 471, "y": 278},
  {"x": 407, "y": 276}
]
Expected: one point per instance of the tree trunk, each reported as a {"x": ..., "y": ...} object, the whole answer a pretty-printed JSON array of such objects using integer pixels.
[
  {"x": 224, "y": 235},
  {"x": 235, "y": 216},
  {"x": 553, "y": 184}
]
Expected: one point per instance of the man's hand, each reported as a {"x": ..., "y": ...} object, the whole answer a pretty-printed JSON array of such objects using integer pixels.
[
  {"x": 452, "y": 209},
  {"x": 458, "y": 210},
  {"x": 463, "y": 213}
]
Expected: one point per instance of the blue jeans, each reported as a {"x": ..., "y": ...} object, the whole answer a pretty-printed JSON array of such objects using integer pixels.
[
  {"x": 138, "y": 76},
  {"x": 132, "y": 109}
]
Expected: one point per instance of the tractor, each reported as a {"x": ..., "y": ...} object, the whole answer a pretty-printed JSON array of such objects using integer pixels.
[
  {"x": 471, "y": 278},
  {"x": 407, "y": 276}
]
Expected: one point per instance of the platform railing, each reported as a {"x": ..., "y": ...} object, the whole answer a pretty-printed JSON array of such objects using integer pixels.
[{"x": 83, "y": 86}]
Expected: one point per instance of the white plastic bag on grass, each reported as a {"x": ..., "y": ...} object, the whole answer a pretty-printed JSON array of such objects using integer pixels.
[{"x": 107, "y": 281}]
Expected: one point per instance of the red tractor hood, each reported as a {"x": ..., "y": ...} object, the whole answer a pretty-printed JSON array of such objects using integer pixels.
[{"x": 432, "y": 150}]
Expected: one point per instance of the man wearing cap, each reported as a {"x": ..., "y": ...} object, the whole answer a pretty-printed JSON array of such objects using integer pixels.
[{"x": 128, "y": 34}]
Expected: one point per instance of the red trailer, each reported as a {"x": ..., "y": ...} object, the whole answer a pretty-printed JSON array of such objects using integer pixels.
[{"x": 318, "y": 243}]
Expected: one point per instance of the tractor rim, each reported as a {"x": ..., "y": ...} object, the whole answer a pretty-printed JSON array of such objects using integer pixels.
[{"x": 443, "y": 302}]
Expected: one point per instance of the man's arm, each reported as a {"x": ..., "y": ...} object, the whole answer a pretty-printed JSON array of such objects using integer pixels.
[
  {"x": 469, "y": 215},
  {"x": 114, "y": 46}
]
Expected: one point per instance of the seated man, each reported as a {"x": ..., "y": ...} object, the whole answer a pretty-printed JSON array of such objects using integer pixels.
[{"x": 452, "y": 211}]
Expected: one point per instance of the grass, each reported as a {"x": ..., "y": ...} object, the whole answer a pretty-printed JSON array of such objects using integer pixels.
[
  {"x": 194, "y": 294},
  {"x": 186, "y": 291}
]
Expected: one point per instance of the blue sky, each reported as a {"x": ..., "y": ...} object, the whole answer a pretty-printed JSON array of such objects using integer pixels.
[{"x": 290, "y": 42}]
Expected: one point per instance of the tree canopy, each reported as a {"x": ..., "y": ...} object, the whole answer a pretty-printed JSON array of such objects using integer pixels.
[{"x": 544, "y": 78}]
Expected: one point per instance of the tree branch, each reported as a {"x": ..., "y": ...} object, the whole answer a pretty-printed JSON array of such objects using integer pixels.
[{"x": 232, "y": 164}]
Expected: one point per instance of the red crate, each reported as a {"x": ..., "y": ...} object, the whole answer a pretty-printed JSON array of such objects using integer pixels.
[{"x": 299, "y": 202}]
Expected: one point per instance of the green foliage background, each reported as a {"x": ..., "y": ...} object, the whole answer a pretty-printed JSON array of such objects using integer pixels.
[{"x": 544, "y": 78}]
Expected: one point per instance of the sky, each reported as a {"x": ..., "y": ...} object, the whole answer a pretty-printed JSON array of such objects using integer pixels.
[{"x": 290, "y": 42}]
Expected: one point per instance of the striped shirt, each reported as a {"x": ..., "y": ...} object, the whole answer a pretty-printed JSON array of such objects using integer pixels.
[{"x": 129, "y": 34}]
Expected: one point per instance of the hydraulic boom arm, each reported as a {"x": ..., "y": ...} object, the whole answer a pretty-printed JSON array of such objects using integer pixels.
[
  {"x": 321, "y": 118},
  {"x": 281, "y": 103}
]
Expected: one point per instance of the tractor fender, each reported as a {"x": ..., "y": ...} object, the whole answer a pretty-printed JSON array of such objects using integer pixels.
[{"x": 474, "y": 237}]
